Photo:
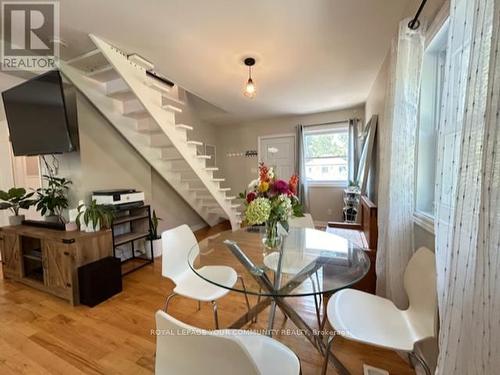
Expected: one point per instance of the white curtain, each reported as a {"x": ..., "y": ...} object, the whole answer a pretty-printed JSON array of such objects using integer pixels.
[
  {"x": 353, "y": 159},
  {"x": 467, "y": 193},
  {"x": 301, "y": 168},
  {"x": 397, "y": 174}
]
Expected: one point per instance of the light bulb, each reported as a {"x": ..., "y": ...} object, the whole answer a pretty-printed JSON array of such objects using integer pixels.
[{"x": 249, "y": 89}]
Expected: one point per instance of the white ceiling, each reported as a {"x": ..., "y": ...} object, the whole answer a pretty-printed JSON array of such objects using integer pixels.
[{"x": 312, "y": 55}]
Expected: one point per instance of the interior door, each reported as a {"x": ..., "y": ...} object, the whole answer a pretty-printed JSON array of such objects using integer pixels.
[{"x": 279, "y": 152}]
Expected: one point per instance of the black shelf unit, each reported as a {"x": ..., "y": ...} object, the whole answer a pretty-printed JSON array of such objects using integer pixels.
[{"x": 138, "y": 222}]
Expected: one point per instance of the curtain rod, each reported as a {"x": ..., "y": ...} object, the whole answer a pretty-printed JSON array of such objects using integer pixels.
[
  {"x": 331, "y": 123},
  {"x": 414, "y": 24}
]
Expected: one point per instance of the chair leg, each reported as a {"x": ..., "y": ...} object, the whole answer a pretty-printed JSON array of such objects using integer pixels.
[
  {"x": 422, "y": 363},
  {"x": 254, "y": 320},
  {"x": 317, "y": 281},
  {"x": 216, "y": 317},
  {"x": 245, "y": 289},
  {"x": 168, "y": 300},
  {"x": 327, "y": 354},
  {"x": 316, "y": 304}
]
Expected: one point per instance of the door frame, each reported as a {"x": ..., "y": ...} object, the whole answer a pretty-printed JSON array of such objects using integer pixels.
[{"x": 260, "y": 138}]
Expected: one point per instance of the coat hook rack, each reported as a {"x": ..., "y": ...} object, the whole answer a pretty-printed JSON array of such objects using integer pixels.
[{"x": 414, "y": 24}]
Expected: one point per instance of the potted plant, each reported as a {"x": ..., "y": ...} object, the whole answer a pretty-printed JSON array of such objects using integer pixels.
[
  {"x": 53, "y": 199},
  {"x": 14, "y": 200},
  {"x": 154, "y": 237},
  {"x": 95, "y": 216}
]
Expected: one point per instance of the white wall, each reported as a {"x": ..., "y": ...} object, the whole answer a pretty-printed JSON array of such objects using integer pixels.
[
  {"x": 239, "y": 171},
  {"x": 6, "y": 173}
]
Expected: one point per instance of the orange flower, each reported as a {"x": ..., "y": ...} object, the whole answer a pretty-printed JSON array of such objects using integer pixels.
[
  {"x": 263, "y": 172},
  {"x": 293, "y": 183}
]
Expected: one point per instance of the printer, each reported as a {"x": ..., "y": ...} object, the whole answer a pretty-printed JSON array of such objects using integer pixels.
[{"x": 120, "y": 198}]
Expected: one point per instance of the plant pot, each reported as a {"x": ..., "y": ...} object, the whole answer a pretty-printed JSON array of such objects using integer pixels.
[
  {"x": 90, "y": 227},
  {"x": 52, "y": 218},
  {"x": 71, "y": 227},
  {"x": 157, "y": 248},
  {"x": 16, "y": 219}
]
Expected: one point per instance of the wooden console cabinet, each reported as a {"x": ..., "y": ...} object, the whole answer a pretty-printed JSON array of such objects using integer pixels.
[{"x": 48, "y": 259}]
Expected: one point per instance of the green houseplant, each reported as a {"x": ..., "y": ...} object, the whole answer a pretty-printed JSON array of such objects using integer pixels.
[
  {"x": 153, "y": 238},
  {"x": 95, "y": 216},
  {"x": 15, "y": 199},
  {"x": 53, "y": 199}
]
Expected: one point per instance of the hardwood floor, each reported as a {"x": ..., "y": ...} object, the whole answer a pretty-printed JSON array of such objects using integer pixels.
[{"x": 41, "y": 334}]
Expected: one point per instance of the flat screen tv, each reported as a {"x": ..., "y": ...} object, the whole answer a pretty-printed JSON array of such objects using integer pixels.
[{"x": 41, "y": 115}]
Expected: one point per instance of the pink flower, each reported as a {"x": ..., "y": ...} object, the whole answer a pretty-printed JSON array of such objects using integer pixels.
[
  {"x": 251, "y": 196},
  {"x": 280, "y": 186}
]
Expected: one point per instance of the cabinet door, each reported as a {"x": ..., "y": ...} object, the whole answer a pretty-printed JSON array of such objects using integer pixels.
[
  {"x": 58, "y": 267},
  {"x": 11, "y": 259}
]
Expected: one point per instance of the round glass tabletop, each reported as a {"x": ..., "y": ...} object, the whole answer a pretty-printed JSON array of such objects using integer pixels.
[{"x": 309, "y": 262}]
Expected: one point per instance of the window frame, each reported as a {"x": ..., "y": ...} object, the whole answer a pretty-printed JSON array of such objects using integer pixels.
[
  {"x": 342, "y": 127},
  {"x": 421, "y": 218}
]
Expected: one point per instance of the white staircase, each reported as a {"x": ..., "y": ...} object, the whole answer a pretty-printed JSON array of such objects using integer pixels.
[{"x": 143, "y": 110}]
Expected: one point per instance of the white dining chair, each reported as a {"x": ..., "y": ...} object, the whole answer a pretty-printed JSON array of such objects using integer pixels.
[
  {"x": 177, "y": 244},
  {"x": 187, "y": 350},
  {"x": 374, "y": 320},
  {"x": 305, "y": 221}
]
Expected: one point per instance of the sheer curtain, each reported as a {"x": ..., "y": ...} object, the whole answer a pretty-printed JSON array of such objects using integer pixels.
[
  {"x": 467, "y": 193},
  {"x": 301, "y": 168},
  {"x": 397, "y": 174},
  {"x": 353, "y": 158}
]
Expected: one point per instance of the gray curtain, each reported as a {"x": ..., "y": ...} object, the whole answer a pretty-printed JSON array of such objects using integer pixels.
[
  {"x": 354, "y": 149},
  {"x": 303, "y": 190}
]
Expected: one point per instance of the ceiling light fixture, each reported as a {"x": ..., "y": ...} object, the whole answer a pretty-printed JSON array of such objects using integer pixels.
[{"x": 249, "y": 91}]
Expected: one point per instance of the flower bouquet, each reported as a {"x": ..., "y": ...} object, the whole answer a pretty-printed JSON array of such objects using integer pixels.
[{"x": 270, "y": 201}]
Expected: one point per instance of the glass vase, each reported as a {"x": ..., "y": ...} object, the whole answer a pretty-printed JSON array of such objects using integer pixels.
[{"x": 272, "y": 239}]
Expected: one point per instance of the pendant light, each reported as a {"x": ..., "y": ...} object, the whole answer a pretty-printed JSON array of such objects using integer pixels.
[{"x": 249, "y": 91}]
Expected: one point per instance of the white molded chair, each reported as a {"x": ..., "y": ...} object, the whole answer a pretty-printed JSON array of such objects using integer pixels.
[
  {"x": 177, "y": 244},
  {"x": 305, "y": 221},
  {"x": 183, "y": 349},
  {"x": 374, "y": 320}
]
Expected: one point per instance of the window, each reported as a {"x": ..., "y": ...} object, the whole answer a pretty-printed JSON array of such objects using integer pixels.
[
  {"x": 429, "y": 115},
  {"x": 326, "y": 154}
]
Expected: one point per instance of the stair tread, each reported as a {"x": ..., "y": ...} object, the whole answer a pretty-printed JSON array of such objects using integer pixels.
[
  {"x": 171, "y": 107},
  {"x": 196, "y": 143},
  {"x": 211, "y": 169},
  {"x": 155, "y": 85},
  {"x": 207, "y": 157},
  {"x": 183, "y": 126},
  {"x": 218, "y": 179}
]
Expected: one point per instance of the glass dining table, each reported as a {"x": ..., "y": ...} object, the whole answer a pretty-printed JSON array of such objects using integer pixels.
[{"x": 308, "y": 262}]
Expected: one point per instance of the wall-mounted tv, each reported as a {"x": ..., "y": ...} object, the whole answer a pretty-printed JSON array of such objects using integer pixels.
[{"x": 41, "y": 115}]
